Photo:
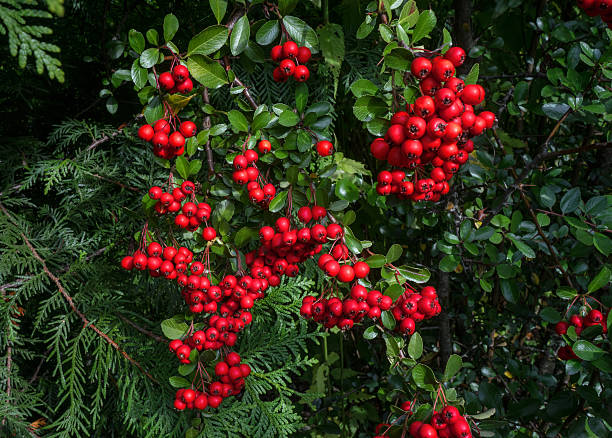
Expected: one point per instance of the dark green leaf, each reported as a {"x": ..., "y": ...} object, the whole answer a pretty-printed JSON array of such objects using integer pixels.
[
  {"x": 171, "y": 25},
  {"x": 425, "y": 24},
  {"x": 278, "y": 202},
  {"x": 207, "y": 71},
  {"x": 394, "y": 253},
  {"x": 238, "y": 121},
  {"x": 268, "y": 33},
  {"x": 239, "y": 37},
  {"x": 415, "y": 346},
  {"x": 600, "y": 280},
  {"x": 219, "y": 8},
  {"x": 587, "y": 351},
  {"x": 570, "y": 201},
  {"x": 137, "y": 41},
  {"x": 208, "y": 41},
  {"x": 453, "y": 366}
]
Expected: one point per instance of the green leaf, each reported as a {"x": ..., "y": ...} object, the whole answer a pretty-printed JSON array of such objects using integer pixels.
[
  {"x": 331, "y": 40},
  {"x": 555, "y": 110},
  {"x": 415, "y": 346},
  {"x": 154, "y": 111},
  {"x": 472, "y": 76},
  {"x": 376, "y": 261},
  {"x": 484, "y": 415},
  {"x": 261, "y": 120},
  {"x": 524, "y": 248},
  {"x": 207, "y": 71},
  {"x": 182, "y": 166},
  {"x": 399, "y": 59},
  {"x": 301, "y": 97},
  {"x": 208, "y": 41},
  {"x": 347, "y": 190},
  {"x": 587, "y": 351},
  {"x": 362, "y": 87},
  {"x": 149, "y": 58},
  {"x": 600, "y": 280},
  {"x": 137, "y": 41},
  {"x": 179, "y": 382},
  {"x": 453, "y": 366},
  {"x": 449, "y": 263},
  {"x": 547, "y": 196},
  {"x": 367, "y": 108},
  {"x": 551, "y": 315},
  {"x": 174, "y": 329},
  {"x": 288, "y": 119},
  {"x": 171, "y": 25},
  {"x": 194, "y": 167},
  {"x": 570, "y": 201},
  {"x": 219, "y": 7},
  {"x": 244, "y": 235},
  {"x": 301, "y": 33},
  {"x": 152, "y": 36},
  {"x": 425, "y": 24},
  {"x": 394, "y": 253},
  {"x": 602, "y": 243},
  {"x": 268, "y": 33},
  {"x": 278, "y": 202},
  {"x": 370, "y": 333},
  {"x": 388, "y": 320},
  {"x": 353, "y": 244},
  {"x": 423, "y": 377},
  {"x": 566, "y": 293},
  {"x": 240, "y": 35},
  {"x": 238, "y": 121},
  {"x": 139, "y": 75}
]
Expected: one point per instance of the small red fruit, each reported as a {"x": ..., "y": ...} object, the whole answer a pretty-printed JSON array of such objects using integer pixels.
[{"x": 325, "y": 148}]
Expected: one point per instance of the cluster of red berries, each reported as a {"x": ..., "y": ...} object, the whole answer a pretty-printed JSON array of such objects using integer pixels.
[
  {"x": 176, "y": 82},
  {"x": 247, "y": 173},
  {"x": 168, "y": 262},
  {"x": 345, "y": 313},
  {"x": 283, "y": 248},
  {"x": 448, "y": 423},
  {"x": 167, "y": 145},
  {"x": 330, "y": 263},
  {"x": 434, "y": 131},
  {"x": 594, "y": 317},
  {"x": 192, "y": 215},
  {"x": 231, "y": 374},
  {"x": 292, "y": 60},
  {"x": 412, "y": 307},
  {"x": 594, "y": 8}
]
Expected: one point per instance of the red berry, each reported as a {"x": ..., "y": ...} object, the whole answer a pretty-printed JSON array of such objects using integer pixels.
[
  {"x": 264, "y": 146},
  {"x": 160, "y": 139},
  {"x": 184, "y": 87},
  {"x": 421, "y": 67},
  {"x": 346, "y": 274},
  {"x": 290, "y": 49},
  {"x": 443, "y": 70},
  {"x": 176, "y": 140},
  {"x": 209, "y": 233},
  {"x": 276, "y": 53},
  {"x": 325, "y": 148},
  {"x": 279, "y": 75},
  {"x": 301, "y": 73},
  {"x": 305, "y": 214},
  {"x": 456, "y": 55},
  {"x": 303, "y": 55},
  {"x": 146, "y": 132},
  {"x": 188, "y": 128},
  {"x": 166, "y": 81},
  {"x": 287, "y": 66},
  {"x": 362, "y": 269},
  {"x": 180, "y": 73}
]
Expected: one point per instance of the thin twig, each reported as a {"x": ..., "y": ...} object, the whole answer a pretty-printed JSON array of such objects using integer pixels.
[
  {"x": 140, "y": 329},
  {"x": 528, "y": 168},
  {"x": 206, "y": 125},
  {"x": 562, "y": 215},
  {"x": 246, "y": 93},
  {"x": 543, "y": 236},
  {"x": 70, "y": 301}
]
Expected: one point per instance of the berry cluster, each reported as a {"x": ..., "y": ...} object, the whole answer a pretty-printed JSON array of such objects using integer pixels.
[
  {"x": 168, "y": 262},
  {"x": 167, "y": 144},
  {"x": 283, "y": 247},
  {"x": 346, "y": 313},
  {"x": 594, "y": 8},
  {"x": 434, "y": 132},
  {"x": 412, "y": 307},
  {"x": 292, "y": 60},
  {"x": 231, "y": 373},
  {"x": 176, "y": 82},
  {"x": 247, "y": 173},
  {"x": 448, "y": 423},
  {"x": 329, "y": 263},
  {"x": 192, "y": 215},
  {"x": 593, "y": 318}
]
